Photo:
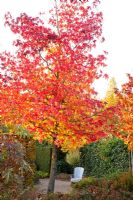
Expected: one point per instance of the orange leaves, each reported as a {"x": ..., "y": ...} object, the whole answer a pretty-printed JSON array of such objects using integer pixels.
[
  {"x": 125, "y": 104},
  {"x": 51, "y": 89},
  {"x": 129, "y": 141}
]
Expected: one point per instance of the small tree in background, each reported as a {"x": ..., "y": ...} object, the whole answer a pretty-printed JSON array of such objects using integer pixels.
[
  {"x": 125, "y": 104},
  {"x": 73, "y": 157},
  {"x": 111, "y": 98}
]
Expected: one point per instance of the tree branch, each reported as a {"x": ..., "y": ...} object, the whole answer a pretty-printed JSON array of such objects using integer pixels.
[{"x": 57, "y": 17}]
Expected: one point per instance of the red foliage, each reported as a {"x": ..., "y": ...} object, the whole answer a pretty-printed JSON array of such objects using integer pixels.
[{"x": 47, "y": 85}]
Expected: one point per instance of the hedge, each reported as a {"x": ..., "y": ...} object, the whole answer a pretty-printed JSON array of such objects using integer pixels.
[
  {"x": 43, "y": 157},
  {"x": 105, "y": 157}
]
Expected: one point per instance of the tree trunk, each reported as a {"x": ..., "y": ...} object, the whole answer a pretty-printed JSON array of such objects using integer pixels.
[
  {"x": 132, "y": 162},
  {"x": 129, "y": 157},
  {"x": 53, "y": 170}
]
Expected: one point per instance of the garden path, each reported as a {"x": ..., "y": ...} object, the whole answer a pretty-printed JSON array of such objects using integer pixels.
[{"x": 60, "y": 186}]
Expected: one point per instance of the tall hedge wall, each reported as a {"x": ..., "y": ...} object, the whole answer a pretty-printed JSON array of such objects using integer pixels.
[
  {"x": 105, "y": 157},
  {"x": 43, "y": 157}
]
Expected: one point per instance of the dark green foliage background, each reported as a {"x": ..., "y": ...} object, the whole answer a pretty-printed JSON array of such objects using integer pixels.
[
  {"x": 105, "y": 157},
  {"x": 43, "y": 157},
  {"x": 62, "y": 165}
]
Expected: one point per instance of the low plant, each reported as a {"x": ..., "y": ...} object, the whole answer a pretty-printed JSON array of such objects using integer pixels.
[
  {"x": 85, "y": 182},
  {"x": 116, "y": 186},
  {"x": 12, "y": 167},
  {"x": 102, "y": 193},
  {"x": 41, "y": 174},
  {"x": 81, "y": 195},
  {"x": 123, "y": 181}
]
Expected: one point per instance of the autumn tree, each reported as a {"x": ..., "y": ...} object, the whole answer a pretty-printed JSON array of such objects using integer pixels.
[
  {"x": 111, "y": 97},
  {"x": 110, "y": 101},
  {"x": 46, "y": 87},
  {"x": 125, "y": 113},
  {"x": 125, "y": 103}
]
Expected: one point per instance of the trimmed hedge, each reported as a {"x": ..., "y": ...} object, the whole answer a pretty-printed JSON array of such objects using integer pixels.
[
  {"x": 105, "y": 157},
  {"x": 43, "y": 157}
]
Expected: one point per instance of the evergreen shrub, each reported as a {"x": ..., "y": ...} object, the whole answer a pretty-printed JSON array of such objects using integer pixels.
[
  {"x": 43, "y": 157},
  {"x": 105, "y": 157}
]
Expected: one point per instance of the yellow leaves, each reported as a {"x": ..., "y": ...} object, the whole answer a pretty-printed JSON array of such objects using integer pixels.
[
  {"x": 43, "y": 136},
  {"x": 129, "y": 141},
  {"x": 111, "y": 98},
  {"x": 125, "y": 102},
  {"x": 64, "y": 138},
  {"x": 71, "y": 141},
  {"x": 73, "y": 157},
  {"x": 53, "y": 48}
]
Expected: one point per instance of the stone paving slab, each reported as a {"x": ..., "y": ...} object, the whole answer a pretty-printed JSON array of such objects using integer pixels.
[{"x": 60, "y": 186}]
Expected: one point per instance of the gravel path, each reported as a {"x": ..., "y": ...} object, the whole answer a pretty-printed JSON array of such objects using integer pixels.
[{"x": 60, "y": 186}]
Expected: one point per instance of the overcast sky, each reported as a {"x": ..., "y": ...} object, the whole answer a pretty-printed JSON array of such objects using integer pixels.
[{"x": 117, "y": 30}]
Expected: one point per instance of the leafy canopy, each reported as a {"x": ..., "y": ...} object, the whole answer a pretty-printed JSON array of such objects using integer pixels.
[
  {"x": 125, "y": 105},
  {"x": 47, "y": 85}
]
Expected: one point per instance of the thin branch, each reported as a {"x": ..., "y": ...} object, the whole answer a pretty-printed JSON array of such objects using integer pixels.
[
  {"x": 57, "y": 17},
  {"x": 45, "y": 62},
  {"x": 43, "y": 59}
]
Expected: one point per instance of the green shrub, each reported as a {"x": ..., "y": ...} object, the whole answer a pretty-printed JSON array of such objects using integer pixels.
[
  {"x": 41, "y": 174},
  {"x": 105, "y": 157},
  {"x": 85, "y": 182},
  {"x": 62, "y": 165},
  {"x": 43, "y": 157}
]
